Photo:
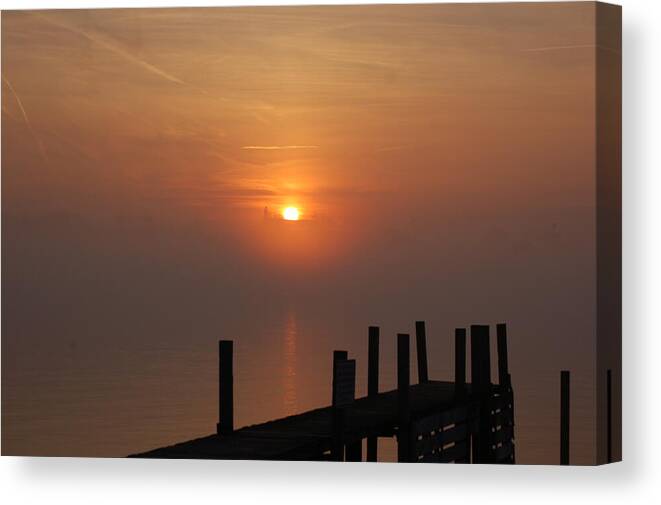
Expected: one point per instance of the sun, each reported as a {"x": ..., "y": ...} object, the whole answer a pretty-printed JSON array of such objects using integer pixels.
[{"x": 290, "y": 214}]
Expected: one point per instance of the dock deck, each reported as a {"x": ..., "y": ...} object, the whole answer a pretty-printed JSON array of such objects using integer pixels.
[
  {"x": 308, "y": 435},
  {"x": 434, "y": 421}
]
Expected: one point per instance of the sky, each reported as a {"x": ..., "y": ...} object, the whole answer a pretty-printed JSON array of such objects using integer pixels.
[
  {"x": 441, "y": 157},
  {"x": 372, "y": 122}
]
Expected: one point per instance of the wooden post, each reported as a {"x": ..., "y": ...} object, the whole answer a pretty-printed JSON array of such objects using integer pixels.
[
  {"x": 403, "y": 364},
  {"x": 421, "y": 351},
  {"x": 338, "y": 419},
  {"x": 503, "y": 371},
  {"x": 564, "y": 417},
  {"x": 505, "y": 379},
  {"x": 354, "y": 448},
  {"x": 373, "y": 361},
  {"x": 460, "y": 361},
  {"x": 609, "y": 418},
  {"x": 225, "y": 388},
  {"x": 403, "y": 383},
  {"x": 337, "y": 356},
  {"x": 337, "y": 445},
  {"x": 480, "y": 358},
  {"x": 372, "y": 382},
  {"x": 509, "y": 381},
  {"x": 481, "y": 389}
]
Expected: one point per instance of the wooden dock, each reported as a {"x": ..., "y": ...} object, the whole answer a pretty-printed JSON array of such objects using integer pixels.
[{"x": 433, "y": 421}]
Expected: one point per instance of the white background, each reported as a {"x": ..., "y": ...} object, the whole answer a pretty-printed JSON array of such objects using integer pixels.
[{"x": 636, "y": 480}]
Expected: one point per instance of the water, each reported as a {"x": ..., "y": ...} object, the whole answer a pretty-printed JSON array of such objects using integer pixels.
[{"x": 127, "y": 397}]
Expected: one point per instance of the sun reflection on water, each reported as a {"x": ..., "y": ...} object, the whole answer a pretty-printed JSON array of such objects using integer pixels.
[{"x": 290, "y": 398}]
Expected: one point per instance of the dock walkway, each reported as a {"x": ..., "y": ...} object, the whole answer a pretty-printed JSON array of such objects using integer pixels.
[
  {"x": 434, "y": 421},
  {"x": 308, "y": 435}
]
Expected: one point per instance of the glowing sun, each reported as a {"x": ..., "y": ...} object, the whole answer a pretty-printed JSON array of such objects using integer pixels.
[{"x": 290, "y": 214}]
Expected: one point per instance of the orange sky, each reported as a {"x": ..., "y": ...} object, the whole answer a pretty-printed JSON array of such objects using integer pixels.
[{"x": 348, "y": 113}]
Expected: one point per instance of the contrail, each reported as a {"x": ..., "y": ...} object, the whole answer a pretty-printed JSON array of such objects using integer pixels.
[
  {"x": 556, "y": 48},
  {"x": 92, "y": 37},
  {"x": 102, "y": 41},
  {"x": 561, "y": 48},
  {"x": 274, "y": 148},
  {"x": 18, "y": 101},
  {"x": 40, "y": 144}
]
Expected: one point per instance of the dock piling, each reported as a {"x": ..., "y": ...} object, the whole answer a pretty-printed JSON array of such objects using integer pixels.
[
  {"x": 344, "y": 392},
  {"x": 346, "y": 395},
  {"x": 564, "y": 417},
  {"x": 609, "y": 418},
  {"x": 481, "y": 388},
  {"x": 421, "y": 351},
  {"x": 338, "y": 356},
  {"x": 373, "y": 361},
  {"x": 225, "y": 388},
  {"x": 337, "y": 447},
  {"x": 460, "y": 361},
  {"x": 503, "y": 369},
  {"x": 403, "y": 383},
  {"x": 372, "y": 382},
  {"x": 480, "y": 357},
  {"x": 354, "y": 451}
]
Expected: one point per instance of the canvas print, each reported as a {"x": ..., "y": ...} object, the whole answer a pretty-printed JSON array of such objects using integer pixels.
[{"x": 379, "y": 233}]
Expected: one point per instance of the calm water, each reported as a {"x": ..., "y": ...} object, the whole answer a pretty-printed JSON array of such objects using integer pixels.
[{"x": 66, "y": 398}]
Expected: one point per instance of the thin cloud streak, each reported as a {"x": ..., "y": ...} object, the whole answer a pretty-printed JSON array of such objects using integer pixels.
[
  {"x": 99, "y": 40},
  {"x": 40, "y": 144},
  {"x": 563, "y": 48},
  {"x": 18, "y": 100},
  {"x": 276, "y": 148},
  {"x": 557, "y": 48}
]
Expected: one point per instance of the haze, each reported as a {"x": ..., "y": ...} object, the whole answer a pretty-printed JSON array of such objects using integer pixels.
[{"x": 441, "y": 157}]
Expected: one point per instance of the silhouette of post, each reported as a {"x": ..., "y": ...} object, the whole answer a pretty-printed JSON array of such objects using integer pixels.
[
  {"x": 421, "y": 351},
  {"x": 403, "y": 383},
  {"x": 509, "y": 382},
  {"x": 564, "y": 417},
  {"x": 481, "y": 389},
  {"x": 505, "y": 385},
  {"x": 609, "y": 418},
  {"x": 503, "y": 371},
  {"x": 354, "y": 451},
  {"x": 337, "y": 447},
  {"x": 372, "y": 382},
  {"x": 225, "y": 388},
  {"x": 345, "y": 394},
  {"x": 337, "y": 356},
  {"x": 373, "y": 361},
  {"x": 460, "y": 361},
  {"x": 505, "y": 380}
]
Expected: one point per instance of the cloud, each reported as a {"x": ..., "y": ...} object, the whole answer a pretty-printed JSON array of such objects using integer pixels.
[
  {"x": 562, "y": 48},
  {"x": 556, "y": 48},
  {"x": 36, "y": 137},
  {"x": 277, "y": 148},
  {"x": 18, "y": 100},
  {"x": 106, "y": 44},
  {"x": 392, "y": 148}
]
